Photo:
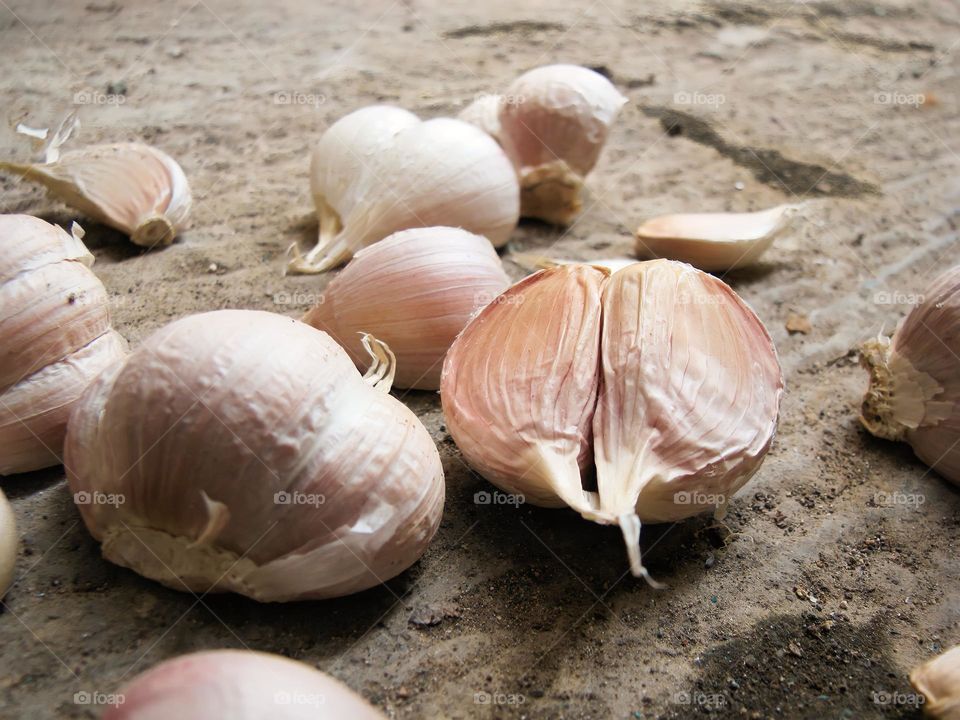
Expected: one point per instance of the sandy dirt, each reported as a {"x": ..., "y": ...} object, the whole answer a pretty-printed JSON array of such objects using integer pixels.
[{"x": 819, "y": 597}]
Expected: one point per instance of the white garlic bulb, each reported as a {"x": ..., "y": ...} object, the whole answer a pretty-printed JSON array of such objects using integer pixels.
[
  {"x": 658, "y": 374},
  {"x": 244, "y": 452},
  {"x": 914, "y": 389},
  {"x": 8, "y": 543},
  {"x": 938, "y": 680},
  {"x": 239, "y": 685},
  {"x": 132, "y": 187},
  {"x": 55, "y": 318},
  {"x": 380, "y": 169},
  {"x": 415, "y": 291}
]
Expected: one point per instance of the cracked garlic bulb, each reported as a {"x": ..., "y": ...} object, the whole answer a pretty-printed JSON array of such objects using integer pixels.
[
  {"x": 242, "y": 451},
  {"x": 657, "y": 375}
]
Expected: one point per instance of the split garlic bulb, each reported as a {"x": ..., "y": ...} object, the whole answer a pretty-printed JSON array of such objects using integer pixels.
[
  {"x": 55, "y": 316},
  {"x": 241, "y": 451},
  {"x": 132, "y": 187},
  {"x": 659, "y": 375},
  {"x": 8, "y": 543},
  {"x": 914, "y": 387},
  {"x": 415, "y": 291},
  {"x": 381, "y": 169},
  {"x": 240, "y": 685},
  {"x": 939, "y": 682}
]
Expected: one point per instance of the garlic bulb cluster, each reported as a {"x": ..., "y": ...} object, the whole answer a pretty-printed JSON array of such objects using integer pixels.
[
  {"x": 55, "y": 318},
  {"x": 381, "y": 169},
  {"x": 8, "y": 544},
  {"x": 241, "y": 451},
  {"x": 914, "y": 389},
  {"x": 240, "y": 685},
  {"x": 939, "y": 682},
  {"x": 713, "y": 241},
  {"x": 132, "y": 187},
  {"x": 553, "y": 122},
  {"x": 658, "y": 375},
  {"x": 415, "y": 291}
]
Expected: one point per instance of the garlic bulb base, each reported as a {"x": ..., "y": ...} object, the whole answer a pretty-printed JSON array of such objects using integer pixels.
[
  {"x": 876, "y": 411},
  {"x": 551, "y": 192},
  {"x": 155, "y": 231}
]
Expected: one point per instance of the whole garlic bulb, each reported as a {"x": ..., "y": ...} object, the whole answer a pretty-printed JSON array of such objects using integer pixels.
[
  {"x": 54, "y": 314},
  {"x": 938, "y": 680},
  {"x": 914, "y": 390},
  {"x": 241, "y": 451},
  {"x": 132, "y": 187},
  {"x": 415, "y": 291},
  {"x": 240, "y": 685},
  {"x": 658, "y": 374},
  {"x": 381, "y": 169},
  {"x": 8, "y": 543}
]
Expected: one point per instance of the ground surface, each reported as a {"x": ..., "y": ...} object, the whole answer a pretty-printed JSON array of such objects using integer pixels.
[{"x": 823, "y": 599}]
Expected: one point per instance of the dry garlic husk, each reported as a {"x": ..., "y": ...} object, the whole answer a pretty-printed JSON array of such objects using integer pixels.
[
  {"x": 914, "y": 390},
  {"x": 240, "y": 685},
  {"x": 713, "y": 241},
  {"x": 658, "y": 375},
  {"x": 415, "y": 291},
  {"x": 939, "y": 682},
  {"x": 54, "y": 314},
  {"x": 132, "y": 187},
  {"x": 245, "y": 453},
  {"x": 8, "y": 543},
  {"x": 381, "y": 169}
]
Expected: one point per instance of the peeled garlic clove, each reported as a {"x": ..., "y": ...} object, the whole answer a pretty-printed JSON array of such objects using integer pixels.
[
  {"x": 415, "y": 291},
  {"x": 554, "y": 121},
  {"x": 132, "y": 187},
  {"x": 914, "y": 389},
  {"x": 8, "y": 544},
  {"x": 237, "y": 684},
  {"x": 242, "y": 451},
  {"x": 372, "y": 176},
  {"x": 713, "y": 241},
  {"x": 939, "y": 682},
  {"x": 54, "y": 314}
]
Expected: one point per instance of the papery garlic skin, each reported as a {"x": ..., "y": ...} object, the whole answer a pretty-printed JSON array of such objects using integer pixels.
[
  {"x": 380, "y": 170},
  {"x": 938, "y": 680},
  {"x": 252, "y": 457},
  {"x": 914, "y": 391},
  {"x": 54, "y": 314},
  {"x": 133, "y": 187},
  {"x": 414, "y": 291},
  {"x": 8, "y": 544},
  {"x": 240, "y": 685}
]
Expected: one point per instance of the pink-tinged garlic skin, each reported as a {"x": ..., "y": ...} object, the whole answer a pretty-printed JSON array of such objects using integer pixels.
[
  {"x": 938, "y": 680},
  {"x": 520, "y": 384},
  {"x": 212, "y": 422},
  {"x": 415, "y": 291},
  {"x": 239, "y": 685},
  {"x": 8, "y": 544},
  {"x": 689, "y": 396}
]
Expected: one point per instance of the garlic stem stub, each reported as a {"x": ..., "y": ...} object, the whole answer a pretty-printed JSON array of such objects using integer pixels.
[
  {"x": 133, "y": 187},
  {"x": 8, "y": 544},
  {"x": 381, "y": 169},
  {"x": 415, "y": 291},
  {"x": 242, "y": 451},
  {"x": 237, "y": 684},
  {"x": 938, "y": 680},
  {"x": 914, "y": 388},
  {"x": 658, "y": 375}
]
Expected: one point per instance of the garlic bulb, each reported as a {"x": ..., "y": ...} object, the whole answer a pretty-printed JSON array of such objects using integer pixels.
[
  {"x": 380, "y": 169},
  {"x": 241, "y": 451},
  {"x": 713, "y": 241},
  {"x": 132, "y": 187},
  {"x": 939, "y": 682},
  {"x": 415, "y": 291},
  {"x": 659, "y": 375},
  {"x": 54, "y": 314},
  {"x": 914, "y": 387},
  {"x": 236, "y": 684},
  {"x": 8, "y": 544}
]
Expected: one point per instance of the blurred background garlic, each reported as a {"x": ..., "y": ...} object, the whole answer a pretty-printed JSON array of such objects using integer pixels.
[
  {"x": 914, "y": 389},
  {"x": 55, "y": 321},
  {"x": 938, "y": 680},
  {"x": 8, "y": 544},
  {"x": 135, "y": 188},
  {"x": 241, "y": 451},
  {"x": 415, "y": 291},
  {"x": 659, "y": 375},
  {"x": 237, "y": 684},
  {"x": 381, "y": 169}
]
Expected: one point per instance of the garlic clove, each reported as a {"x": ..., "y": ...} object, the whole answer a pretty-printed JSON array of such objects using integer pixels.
[
  {"x": 415, "y": 291},
  {"x": 531, "y": 261},
  {"x": 713, "y": 241},
  {"x": 8, "y": 544},
  {"x": 484, "y": 112},
  {"x": 519, "y": 386},
  {"x": 938, "y": 680},
  {"x": 132, "y": 187}
]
